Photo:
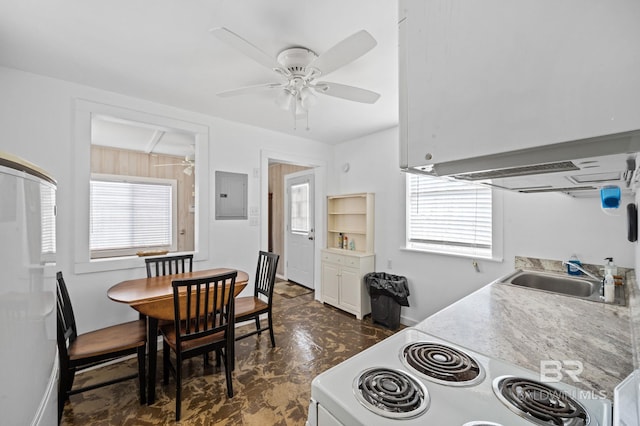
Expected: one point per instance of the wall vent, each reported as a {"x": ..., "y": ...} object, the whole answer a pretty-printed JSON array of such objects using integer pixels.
[
  {"x": 565, "y": 189},
  {"x": 536, "y": 169}
]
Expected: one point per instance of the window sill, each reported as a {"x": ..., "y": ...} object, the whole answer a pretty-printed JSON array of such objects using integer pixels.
[
  {"x": 497, "y": 259},
  {"x": 118, "y": 263}
]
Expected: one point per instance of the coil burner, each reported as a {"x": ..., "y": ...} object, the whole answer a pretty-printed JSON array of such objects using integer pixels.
[
  {"x": 442, "y": 364},
  {"x": 540, "y": 403},
  {"x": 391, "y": 393}
]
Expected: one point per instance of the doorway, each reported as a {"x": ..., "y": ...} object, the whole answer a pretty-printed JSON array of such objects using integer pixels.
[
  {"x": 276, "y": 210},
  {"x": 300, "y": 227},
  {"x": 273, "y": 165}
]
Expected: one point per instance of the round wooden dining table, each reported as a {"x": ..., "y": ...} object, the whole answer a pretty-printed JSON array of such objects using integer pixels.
[{"x": 153, "y": 297}]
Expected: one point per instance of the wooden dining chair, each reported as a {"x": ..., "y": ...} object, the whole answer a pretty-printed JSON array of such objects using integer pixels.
[
  {"x": 203, "y": 323},
  {"x": 80, "y": 351},
  {"x": 168, "y": 265},
  {"x": 250, "y": 308}
]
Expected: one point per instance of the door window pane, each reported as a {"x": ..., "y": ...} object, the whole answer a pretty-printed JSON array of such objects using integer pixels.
[{"x": 300, "y": 208}]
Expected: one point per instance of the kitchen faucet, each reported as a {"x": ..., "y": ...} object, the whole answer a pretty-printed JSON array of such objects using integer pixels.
[{"x": 579, "y": 268}]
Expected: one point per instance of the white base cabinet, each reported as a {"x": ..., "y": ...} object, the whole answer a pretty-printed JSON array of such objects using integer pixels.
[{"x": 342, "y": 280}]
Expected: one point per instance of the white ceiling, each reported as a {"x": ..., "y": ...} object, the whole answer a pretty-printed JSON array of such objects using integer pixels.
[
  {"x": 162, "y": 50},
  {"x": 135, "y": 136}
]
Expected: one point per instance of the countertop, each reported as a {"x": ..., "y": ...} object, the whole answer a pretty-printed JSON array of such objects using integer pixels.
[{"x": 525, "y": 327}]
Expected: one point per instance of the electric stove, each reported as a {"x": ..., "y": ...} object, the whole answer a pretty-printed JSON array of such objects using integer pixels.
[{"x": 414, "y": 378}]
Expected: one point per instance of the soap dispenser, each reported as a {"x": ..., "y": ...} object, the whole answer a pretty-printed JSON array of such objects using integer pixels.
[
  {"x": 610, "y": 270},
  {"x": 610, "y": 267},
  {"x": 572, "y": 270}
]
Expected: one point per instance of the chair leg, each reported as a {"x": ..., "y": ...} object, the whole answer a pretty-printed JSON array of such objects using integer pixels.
[
  {"x": 61, "y": 399},
  {"x": 228, "y": 365},
  {"x": 217, "y": 357},
  {"x": 258, "y": 324},
  {"x": 273, "y": 339},
  {"x": 65, "y": 383},
  {"x": 178, "y": 387},
  {"x": 142, "y": 373},
  {"x": 165, "y": 362}
]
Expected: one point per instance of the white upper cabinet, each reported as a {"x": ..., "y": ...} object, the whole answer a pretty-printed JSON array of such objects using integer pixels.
[{"x": 483, "y": 77}]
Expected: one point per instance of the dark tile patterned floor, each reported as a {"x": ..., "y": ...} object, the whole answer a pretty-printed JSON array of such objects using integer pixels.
[{"x": 272, "y": 386}]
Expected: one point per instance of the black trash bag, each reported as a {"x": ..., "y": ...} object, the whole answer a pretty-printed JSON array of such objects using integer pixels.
[{"x": 383, "y": 284}]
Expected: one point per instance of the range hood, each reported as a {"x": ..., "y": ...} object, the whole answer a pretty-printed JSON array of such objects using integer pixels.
[{"x": 578, "y": 167}]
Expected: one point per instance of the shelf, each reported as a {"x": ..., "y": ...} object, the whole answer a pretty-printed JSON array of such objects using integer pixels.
[
  {"x": 354, "y": 213},
  {"x": 352, "y": 196},
  {"x": 351, "y": 215},
  {"x": 347, "y": 231}
]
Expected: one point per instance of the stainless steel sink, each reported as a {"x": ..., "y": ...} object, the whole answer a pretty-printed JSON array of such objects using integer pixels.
[{"x": 583, "y": 288}]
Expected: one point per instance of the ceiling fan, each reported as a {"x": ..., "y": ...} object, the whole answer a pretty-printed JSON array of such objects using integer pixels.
[
  {"x": 188, "y": 163},
  {"x": 298, "y": 69}
]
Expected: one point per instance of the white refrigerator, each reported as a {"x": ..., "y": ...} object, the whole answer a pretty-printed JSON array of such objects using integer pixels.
[{"x": 28, "y": 352}]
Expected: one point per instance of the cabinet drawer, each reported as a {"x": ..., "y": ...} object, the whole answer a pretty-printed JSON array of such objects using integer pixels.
[
  {"x": 333, "y": 258},
  {"x": 341, "y": 259},
  {"x": 352, "y": 261}
]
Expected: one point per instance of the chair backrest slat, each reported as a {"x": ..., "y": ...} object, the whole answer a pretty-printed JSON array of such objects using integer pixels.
[
  {"x": 168, "y": 265},
  {"x": 266, "y": 273},
  {"x": 203, "y": 306}
]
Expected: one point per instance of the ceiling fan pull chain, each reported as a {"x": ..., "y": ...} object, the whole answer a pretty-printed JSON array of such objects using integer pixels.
[{"x": 293, "y": 115}]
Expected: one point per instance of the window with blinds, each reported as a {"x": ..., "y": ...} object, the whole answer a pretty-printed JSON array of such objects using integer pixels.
[
  {"x": 448, "y": 216},
  {"x": 48, "y": 222},
  {"x": 130, "y": 215}
]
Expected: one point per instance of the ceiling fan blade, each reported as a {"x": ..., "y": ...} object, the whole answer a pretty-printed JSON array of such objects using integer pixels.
[
  {"x": 249, "y": 89},
  {"x": 246, "y": 47},
  {"x": 348, "y": 50},
  {"x": 343, "y": 91}
]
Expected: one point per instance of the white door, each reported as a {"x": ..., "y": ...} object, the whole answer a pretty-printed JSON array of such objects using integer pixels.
[{"x": 299, "y": 227}]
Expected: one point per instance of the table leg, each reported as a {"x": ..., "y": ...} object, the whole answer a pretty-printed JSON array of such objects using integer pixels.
[{"x": 152, "y": 336}]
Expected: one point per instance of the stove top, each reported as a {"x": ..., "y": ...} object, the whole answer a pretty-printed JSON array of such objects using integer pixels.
[
  {"x": 442, "y": 363},
  {"x": 391, "y": 393},
  {"x": 539, "y": 402},
  {"x": 413, "y": 378}
]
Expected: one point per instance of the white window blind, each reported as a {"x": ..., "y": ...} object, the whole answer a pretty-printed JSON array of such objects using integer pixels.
[
  {"x": 48, "y": 221},
  {"x": 127, "y": 216},
  {"x": 448, "y": 216}
]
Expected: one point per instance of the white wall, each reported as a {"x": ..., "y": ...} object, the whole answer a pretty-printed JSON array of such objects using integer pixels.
[
  {"x": 36, "y": 123},
  {"x": 550, "y": 226}
]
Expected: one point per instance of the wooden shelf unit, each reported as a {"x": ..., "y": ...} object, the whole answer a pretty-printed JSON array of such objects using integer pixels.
[
  {"x": 343, "y": 269},
  {"x": 351, "y": 215}
]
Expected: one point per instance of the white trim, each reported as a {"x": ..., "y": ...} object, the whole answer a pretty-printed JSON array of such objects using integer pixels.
[
  {"x": 443, "y": 253},
  {"x": 81, "y": 154}
]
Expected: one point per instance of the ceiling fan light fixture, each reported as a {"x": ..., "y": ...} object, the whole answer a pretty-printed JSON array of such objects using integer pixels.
[
  {"x": 307, "y": 98},
  {"x": 301, "y": 67},
  {"x": 286, "y": 99}
]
